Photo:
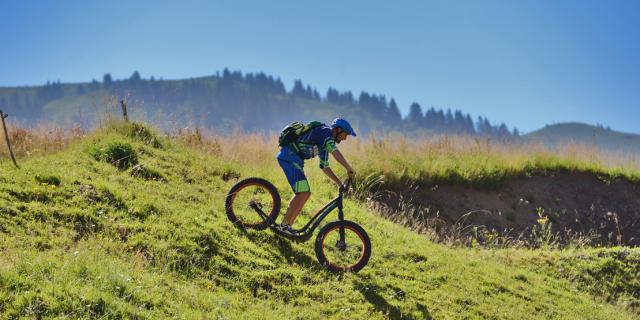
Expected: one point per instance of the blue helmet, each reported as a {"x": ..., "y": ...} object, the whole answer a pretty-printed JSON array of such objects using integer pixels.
[{"x": 344, "y": 125}]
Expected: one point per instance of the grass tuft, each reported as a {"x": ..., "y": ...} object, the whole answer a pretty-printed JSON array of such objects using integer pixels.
[
  {"x": 118, "y": 153},
  {"x": 48, "y": 180},
  {"x": 135, "y": 130},
  {"x": 146, "y": 173}
]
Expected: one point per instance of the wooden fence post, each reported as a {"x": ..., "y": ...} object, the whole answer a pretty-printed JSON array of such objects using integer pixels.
[
  {"x": 124, "y": 110},
  {"x": 6, "y": 136}
]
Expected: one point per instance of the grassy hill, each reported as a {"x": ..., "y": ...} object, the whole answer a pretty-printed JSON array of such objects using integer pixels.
[
  {"x": 596, "y": 136},
  {"x": 83, "y": 238}
]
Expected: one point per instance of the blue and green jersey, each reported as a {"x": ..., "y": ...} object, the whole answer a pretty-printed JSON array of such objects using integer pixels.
[{"x": 317, "y": 142}]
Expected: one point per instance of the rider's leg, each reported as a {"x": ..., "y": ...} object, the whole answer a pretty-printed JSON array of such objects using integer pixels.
[
  {"x": 295, "y": 206},
  {"x": 300, "y": 186}
]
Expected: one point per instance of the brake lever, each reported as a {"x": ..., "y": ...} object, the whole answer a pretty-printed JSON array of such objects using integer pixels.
[{"x": 345, "y": 187}]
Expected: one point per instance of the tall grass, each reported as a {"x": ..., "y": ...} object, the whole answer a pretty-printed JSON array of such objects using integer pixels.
[
  {"x": 484, "y": 162},
  {"x": 38, "y": 140},
  {"x": 436, "y": 158}
]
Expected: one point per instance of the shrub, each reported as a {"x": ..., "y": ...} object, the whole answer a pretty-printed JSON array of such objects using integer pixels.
[
  {"x": 48, "y": 180},
  {"x": 118, "y": 153}
]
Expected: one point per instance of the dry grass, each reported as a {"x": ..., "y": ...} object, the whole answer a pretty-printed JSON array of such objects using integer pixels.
[
  {"x": 42, "y": 139},
  {"x": 430, "y": 157},
  {"x": 248, "y": 148},
  {"x": 438, "y": 157}
]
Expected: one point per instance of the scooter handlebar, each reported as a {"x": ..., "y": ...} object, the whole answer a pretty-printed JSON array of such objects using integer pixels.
[{"x": 345, "y": 187}]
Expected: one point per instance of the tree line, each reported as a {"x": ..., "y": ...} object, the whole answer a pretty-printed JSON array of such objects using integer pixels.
[{"x": 232, "y": 100}]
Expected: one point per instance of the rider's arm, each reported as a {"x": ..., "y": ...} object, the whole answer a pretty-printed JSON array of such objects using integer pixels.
[
  {"x": 340, "y": 158},
  {"x": 332, "y": 176},
  {"x": 328, "y": 146}
]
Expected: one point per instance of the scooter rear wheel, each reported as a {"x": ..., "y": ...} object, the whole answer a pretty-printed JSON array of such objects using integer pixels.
[{"x": 248, "y": 193}]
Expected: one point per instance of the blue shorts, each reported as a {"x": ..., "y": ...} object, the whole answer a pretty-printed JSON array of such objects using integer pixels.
[{"x": 295, "y": 175}]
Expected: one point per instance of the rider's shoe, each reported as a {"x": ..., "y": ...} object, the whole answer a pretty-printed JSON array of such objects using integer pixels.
[{"x": 286, "y": 229}]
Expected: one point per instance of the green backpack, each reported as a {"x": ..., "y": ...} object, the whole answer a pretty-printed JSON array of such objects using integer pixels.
[{"x": 293, "y": 131}]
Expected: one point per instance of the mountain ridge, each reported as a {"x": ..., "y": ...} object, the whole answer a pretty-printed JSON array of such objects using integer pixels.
[
  {"x": 586, "y": 134},
  {"x": 229, "y": 99}
]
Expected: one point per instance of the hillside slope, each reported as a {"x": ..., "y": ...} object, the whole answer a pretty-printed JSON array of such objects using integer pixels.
[
  {"x": 82, "y": 238},
  {"x": 606, "y": 139}
]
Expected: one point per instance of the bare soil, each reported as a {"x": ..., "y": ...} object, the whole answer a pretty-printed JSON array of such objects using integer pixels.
[{"x": 573, "y": 203}]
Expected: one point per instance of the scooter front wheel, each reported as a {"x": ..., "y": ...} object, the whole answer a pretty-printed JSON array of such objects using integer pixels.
[{"x": 343, "y": 246}]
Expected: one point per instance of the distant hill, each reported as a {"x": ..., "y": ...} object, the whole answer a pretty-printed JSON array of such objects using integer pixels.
[
  {"x": 229, "y": 101},
  {"x": 598, "y": 136}
]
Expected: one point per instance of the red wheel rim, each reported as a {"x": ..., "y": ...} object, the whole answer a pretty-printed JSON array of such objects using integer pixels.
[
  {"x": 233, "y": 198},
  {"x": 362, "y": 251}
]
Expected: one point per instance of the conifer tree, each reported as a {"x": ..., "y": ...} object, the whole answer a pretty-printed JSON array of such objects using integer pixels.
[
  {"x": 308, "y": 92},
  {"x": 298, "y": 90},
  {"x": 415, "y": 117},
  {"x": 346, "y": 98},
  {"x": 278, "y": 87},
  {"x": 393, "y": 115},
  {"x": 430, "y": 119},
  {"x": 107, "y": 82},
  {"x": 449, "y": 121},
  {"x": 135, "y": 77},
  {"x": 469, "y": 127},
  {"x": 364, "y": 101},
  {"x": 333, "y": 96},
  {"x": 458, "y": 122},
  {"x": 503, "y": 131}
]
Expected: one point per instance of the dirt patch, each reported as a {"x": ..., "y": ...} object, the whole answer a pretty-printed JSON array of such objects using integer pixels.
[{"x": 572, "y": 202}]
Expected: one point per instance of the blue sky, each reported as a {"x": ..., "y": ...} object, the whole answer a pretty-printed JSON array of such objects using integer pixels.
[{"x": 525, "y": 63}]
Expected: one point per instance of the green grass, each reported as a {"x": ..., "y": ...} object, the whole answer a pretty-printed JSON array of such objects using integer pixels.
[
  {"x": 613, "y": 275},
  {"x": 106, "y": 243}
]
